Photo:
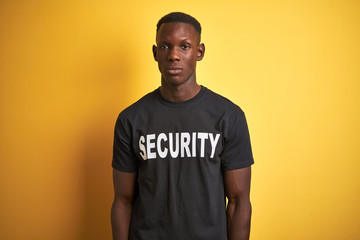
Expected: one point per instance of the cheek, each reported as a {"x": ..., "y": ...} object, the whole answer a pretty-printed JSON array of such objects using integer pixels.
[
  {"x": 160, "y": 62},
  {"x": 191, "y": 59},
  {"x": 193, "y": 62}
]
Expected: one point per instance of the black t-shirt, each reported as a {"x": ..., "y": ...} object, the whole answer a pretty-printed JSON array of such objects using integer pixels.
[{"x": 179, "y": 152}]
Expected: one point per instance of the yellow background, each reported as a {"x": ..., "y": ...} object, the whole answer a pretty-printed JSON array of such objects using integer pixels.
[{"x": 67, "y": 68}]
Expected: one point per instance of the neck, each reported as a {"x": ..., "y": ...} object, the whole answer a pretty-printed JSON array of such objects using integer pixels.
[{"x": 179, "y": 93}]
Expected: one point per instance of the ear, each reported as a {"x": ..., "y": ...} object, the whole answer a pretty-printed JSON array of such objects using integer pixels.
[
  {"x": 201, "y": 52},
  {"x": 154, "y": 49}
]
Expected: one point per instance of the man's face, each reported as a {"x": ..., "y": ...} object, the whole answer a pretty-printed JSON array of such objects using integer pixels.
[{"x": 177, "y": 51}]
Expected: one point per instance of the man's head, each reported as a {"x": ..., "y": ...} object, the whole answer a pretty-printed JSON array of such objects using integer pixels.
[
  {"x": 178, "y": 48},
  {"x": 179, "y": 17}
]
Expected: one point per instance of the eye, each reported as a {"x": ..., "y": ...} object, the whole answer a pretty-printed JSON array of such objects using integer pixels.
[
  {"x": 164, "y": 46},
  {"x": 185, "y": 46}
]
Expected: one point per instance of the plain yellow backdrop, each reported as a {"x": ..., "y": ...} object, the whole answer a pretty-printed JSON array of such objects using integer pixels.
[{"x": 67, "y": 68}]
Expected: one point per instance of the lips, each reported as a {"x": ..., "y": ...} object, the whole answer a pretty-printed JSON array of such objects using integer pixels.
[{"x": 174, "y": 70}]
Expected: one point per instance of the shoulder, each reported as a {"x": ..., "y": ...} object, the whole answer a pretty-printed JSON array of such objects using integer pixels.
[
  {"x": 222, "y": 103},
  {"x": 140, "y": 105}
]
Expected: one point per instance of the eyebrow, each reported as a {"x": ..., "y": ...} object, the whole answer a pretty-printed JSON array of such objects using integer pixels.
[{"x": 182, "y": 40}]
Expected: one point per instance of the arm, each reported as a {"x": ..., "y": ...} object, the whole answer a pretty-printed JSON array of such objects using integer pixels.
[
  {"x": 237, "y": 187},
  {"x": 124, "y": 189}
]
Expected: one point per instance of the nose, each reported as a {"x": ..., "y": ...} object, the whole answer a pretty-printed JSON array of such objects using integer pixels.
[{"x": 174, "y": 54}]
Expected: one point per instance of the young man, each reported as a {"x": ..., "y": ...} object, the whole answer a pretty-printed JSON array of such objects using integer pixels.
[{"x": 180, "y": 150}]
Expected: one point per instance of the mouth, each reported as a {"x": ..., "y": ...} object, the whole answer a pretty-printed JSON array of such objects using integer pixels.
[{"x": 173, "y": 70}]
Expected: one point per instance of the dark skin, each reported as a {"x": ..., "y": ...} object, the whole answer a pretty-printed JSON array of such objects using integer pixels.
[
  {"x": 238, "y": 212},
  {"x": 124, "y": 190},
  {"x": 177, "y": 52}
]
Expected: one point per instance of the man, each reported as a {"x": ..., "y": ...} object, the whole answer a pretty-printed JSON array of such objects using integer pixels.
[{"x": 180, "y": 150}]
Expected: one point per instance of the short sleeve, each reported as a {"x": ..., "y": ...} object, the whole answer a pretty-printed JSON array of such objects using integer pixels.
[
  {"x": 124, "y": 158},
  {"x": 237, "y": 152}
]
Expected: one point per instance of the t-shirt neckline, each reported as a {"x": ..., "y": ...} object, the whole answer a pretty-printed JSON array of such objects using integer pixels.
[{"x": 181, "y": 104}]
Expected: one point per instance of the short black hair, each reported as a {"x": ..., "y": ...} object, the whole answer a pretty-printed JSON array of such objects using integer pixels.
[{"x": 179, "y": 17}]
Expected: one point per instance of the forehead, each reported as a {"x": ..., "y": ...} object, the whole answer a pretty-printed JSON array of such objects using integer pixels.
[{"x": 175, "y": 31}]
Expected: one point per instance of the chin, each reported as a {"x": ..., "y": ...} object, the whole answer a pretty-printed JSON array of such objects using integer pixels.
[{"x": 174, "y": 80}]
